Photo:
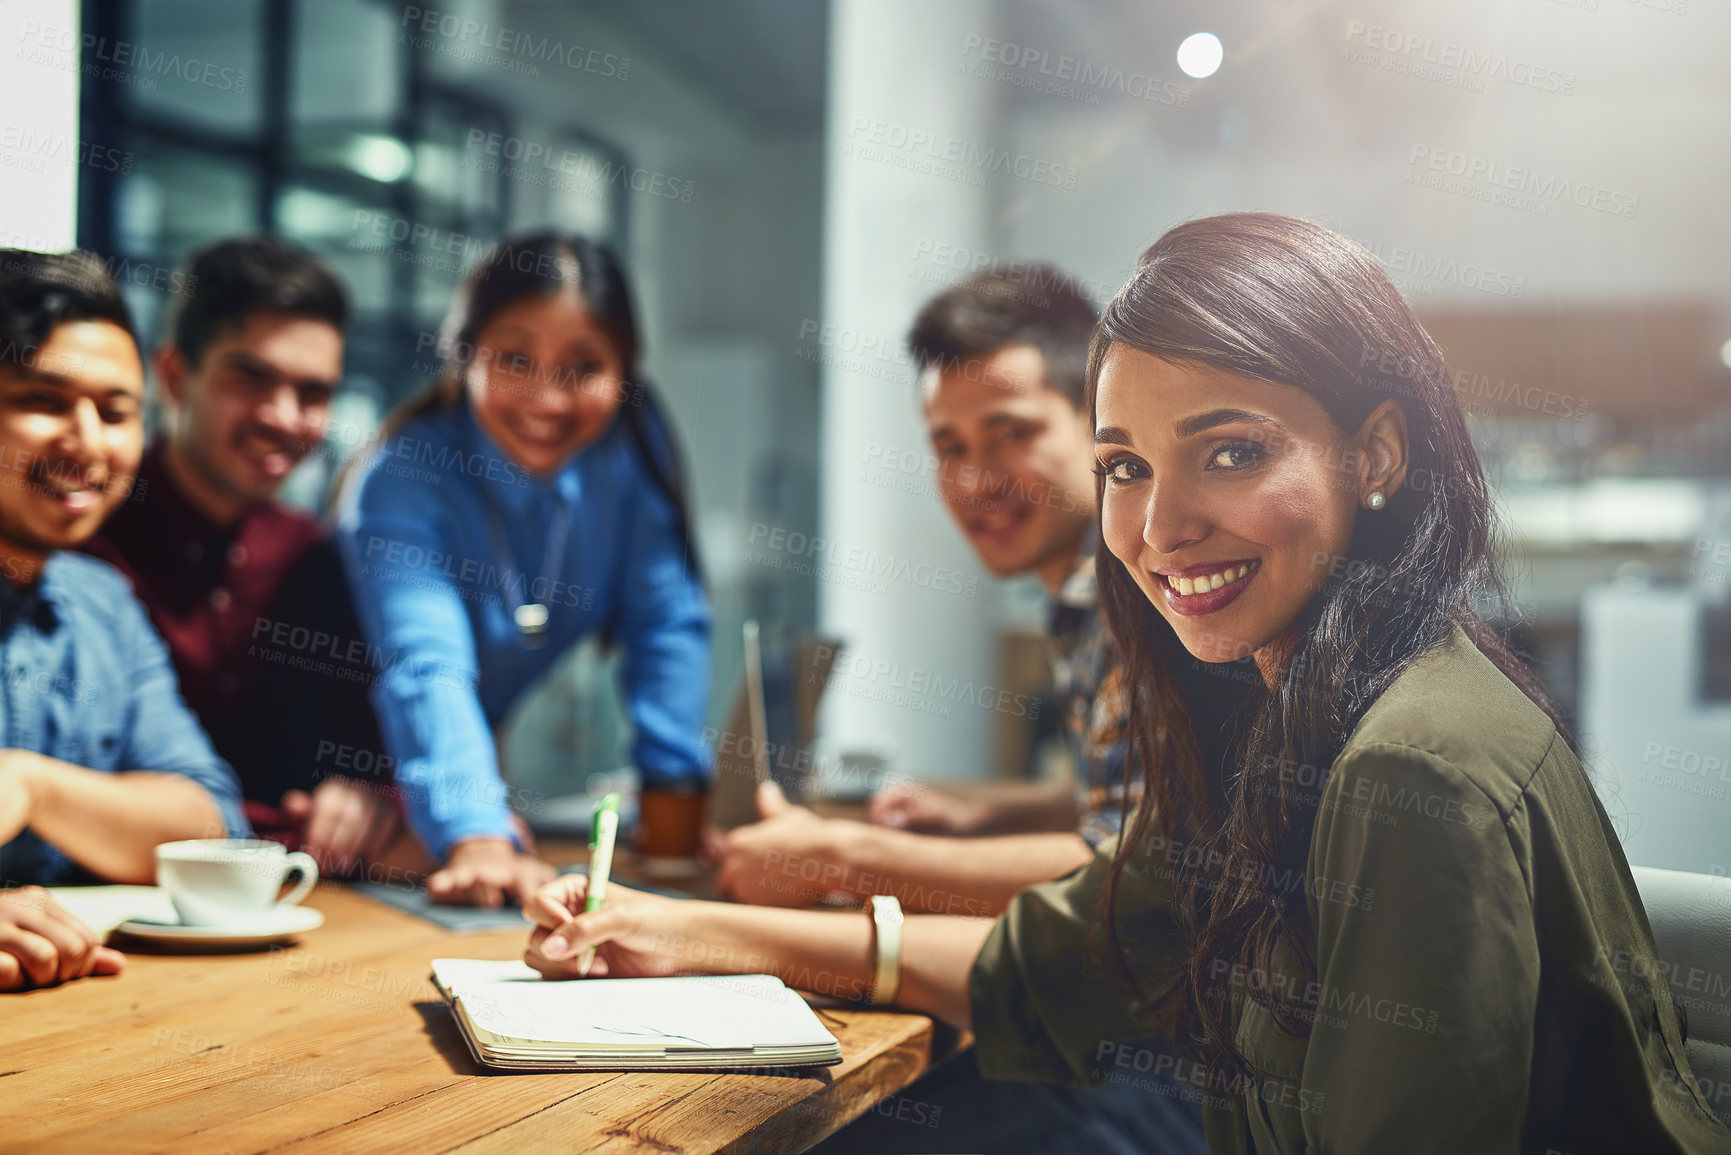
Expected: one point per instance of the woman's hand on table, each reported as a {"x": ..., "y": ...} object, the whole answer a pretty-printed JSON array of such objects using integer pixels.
[
  {"x": 484, "y": 871},
  {"x": 638, "y": 935},
  {"x": 42, "y": 944}
]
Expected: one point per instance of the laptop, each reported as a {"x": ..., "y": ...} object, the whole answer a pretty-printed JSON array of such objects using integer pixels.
[
  {"x": 767, "y": 737},
  {"x": 768, "y": 734}
]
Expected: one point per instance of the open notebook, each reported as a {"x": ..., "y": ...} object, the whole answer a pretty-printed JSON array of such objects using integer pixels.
[
  {"x": 515, "y": 1020},
  {"x": 102, "y": 908}
]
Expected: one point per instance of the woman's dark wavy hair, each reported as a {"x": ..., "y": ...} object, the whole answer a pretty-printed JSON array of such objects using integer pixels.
[
  {"x": 541, "y": 264},
  {"x": 1290, "y": 302}
]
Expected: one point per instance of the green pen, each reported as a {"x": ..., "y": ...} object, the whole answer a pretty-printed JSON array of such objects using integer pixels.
[{"x": 601, "y": 840}]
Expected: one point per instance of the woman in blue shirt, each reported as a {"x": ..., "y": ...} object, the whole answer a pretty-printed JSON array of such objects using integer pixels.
[{"x": 528, "y": 499}]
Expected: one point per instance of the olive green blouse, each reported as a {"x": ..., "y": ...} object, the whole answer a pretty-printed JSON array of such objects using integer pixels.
[{"x": 1482, "y": 958}]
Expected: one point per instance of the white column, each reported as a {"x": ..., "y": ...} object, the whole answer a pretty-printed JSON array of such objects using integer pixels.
[
  {"x": 39, "y": 59},
  {"x": 921, "y": 654}
]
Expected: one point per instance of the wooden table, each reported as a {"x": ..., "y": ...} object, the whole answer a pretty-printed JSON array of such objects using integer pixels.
[{"x": 340, "y": 1043}]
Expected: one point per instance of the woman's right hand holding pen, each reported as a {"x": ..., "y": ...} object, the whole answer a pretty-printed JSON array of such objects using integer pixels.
[
  {"x": 642, "y": 935},
  {"x": 638, "y": 935}
]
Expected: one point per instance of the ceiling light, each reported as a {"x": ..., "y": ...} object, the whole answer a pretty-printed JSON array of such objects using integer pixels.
[
  {"x": 383, "y": 158},
  {"x": 1200, "y": 54}
]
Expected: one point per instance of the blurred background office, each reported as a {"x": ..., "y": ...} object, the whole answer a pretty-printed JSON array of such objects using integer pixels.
[{"x": 789, "y": 179}]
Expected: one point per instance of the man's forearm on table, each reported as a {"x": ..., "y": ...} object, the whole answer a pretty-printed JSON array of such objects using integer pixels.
[
  {"x": 1037, "y": 808},
  {"x": 962, "y": 876},
  {"x": 110, "y": 824}
]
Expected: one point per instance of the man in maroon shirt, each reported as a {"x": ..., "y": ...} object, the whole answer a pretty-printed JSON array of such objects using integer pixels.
[{"x": 249, "y": 596}]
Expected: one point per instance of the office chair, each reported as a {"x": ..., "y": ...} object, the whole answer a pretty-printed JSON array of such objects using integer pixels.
[{"x": 1691, "y": 919}]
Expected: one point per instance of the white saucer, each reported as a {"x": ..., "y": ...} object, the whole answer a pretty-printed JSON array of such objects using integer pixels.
[{"x": 268, "y": 928}]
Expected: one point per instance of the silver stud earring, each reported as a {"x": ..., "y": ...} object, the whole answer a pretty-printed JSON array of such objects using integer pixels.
[{"x": 1376, "y": 500}]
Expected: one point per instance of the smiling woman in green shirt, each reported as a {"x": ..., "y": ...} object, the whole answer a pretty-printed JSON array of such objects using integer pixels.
[{"x": 1373, "y": 894}]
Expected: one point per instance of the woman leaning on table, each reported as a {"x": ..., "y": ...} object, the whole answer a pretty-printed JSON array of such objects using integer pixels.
[
  {"x": 528, "y": 499},
  {"x": 1410, "y": 952}
]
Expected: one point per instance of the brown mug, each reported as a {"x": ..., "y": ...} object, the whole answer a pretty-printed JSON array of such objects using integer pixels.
[{"x": 670, "y": 824}]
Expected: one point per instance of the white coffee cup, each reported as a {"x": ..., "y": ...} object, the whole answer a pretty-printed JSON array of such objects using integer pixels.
[{"x": 225, "y": 881}]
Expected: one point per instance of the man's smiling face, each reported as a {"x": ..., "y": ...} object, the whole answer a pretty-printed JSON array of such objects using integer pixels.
[
  {"x": 1015, "y": 459},
  {"x": 71, "y": 434}
]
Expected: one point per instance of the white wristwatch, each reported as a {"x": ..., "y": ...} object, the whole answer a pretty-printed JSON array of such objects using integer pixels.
[{"x": 886, "y": 914}]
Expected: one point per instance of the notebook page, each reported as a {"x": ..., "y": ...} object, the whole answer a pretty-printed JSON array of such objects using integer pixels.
[
  {"x": 724, "y": 1012},
  {"x": 102, "y": 908}
]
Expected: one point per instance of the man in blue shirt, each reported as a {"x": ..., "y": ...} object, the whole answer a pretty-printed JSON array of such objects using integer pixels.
[{"x": 100, "y": 760}]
